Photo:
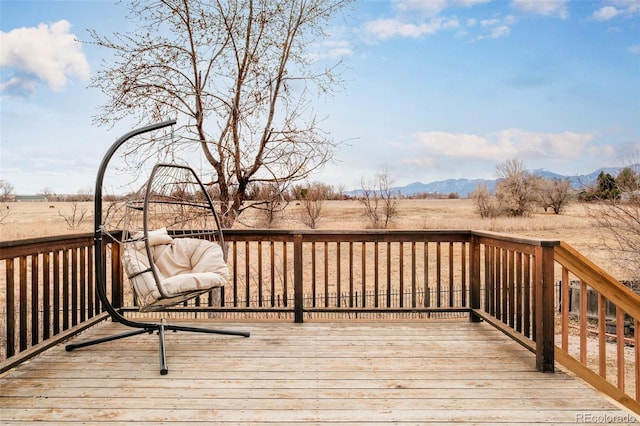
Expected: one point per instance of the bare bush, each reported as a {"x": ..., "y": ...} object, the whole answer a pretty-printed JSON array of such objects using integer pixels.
[
  {"x": 312, "y": 200},
  {"x": 76, "y": 217},
  {"x": 379, "y": 200},
  {"x": 486, "y": 204}
]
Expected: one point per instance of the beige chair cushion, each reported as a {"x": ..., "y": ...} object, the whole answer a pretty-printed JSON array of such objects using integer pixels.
[{"x": 183, "y": 266}]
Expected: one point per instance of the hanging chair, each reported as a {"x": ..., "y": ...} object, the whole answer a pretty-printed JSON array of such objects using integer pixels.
[
  {"x": 173, "y": 247},
  {"x": 172, "y": 244}
]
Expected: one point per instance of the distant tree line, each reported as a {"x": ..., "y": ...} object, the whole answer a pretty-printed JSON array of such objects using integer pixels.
[
  {"x": 625, "y": 185},
  {"x": 519, "y": 192}
]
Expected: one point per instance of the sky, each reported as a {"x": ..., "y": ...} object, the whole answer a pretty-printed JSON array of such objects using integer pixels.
[{"x": 432, "y": 89}]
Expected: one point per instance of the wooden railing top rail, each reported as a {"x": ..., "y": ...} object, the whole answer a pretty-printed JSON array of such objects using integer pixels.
[
  {"x": 598, "y": 278},
  {"x": 30, "y": 246},
  {"x": 488, "y": 235},
  {"x": 443, "y": 235},
  {"x": 369, "y": 236}
]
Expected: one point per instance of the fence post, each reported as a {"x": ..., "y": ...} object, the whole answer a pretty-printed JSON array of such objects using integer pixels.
[
  {"x": 544, "y": 308},
  {"x": 474, "y": 269},
  {"x": 298, "y": 298}
]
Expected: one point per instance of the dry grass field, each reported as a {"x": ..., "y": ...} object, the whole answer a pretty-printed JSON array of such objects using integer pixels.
[{"x": 30, "y": 220}]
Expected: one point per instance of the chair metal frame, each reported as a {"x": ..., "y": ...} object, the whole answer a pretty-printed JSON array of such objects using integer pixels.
[{"x": 100, "y": 272}]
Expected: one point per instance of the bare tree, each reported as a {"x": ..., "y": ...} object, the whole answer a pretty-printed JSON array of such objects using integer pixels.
[
  {"x": 269, "y": 200},
  {"x": 6, "y": 194},
  {"x": 312, "y": 200},
  {"x": 6, "y": 190},
  {"x": 517, "y": 189},
  {"x": 380, "y": 201},
  {"x": 618, "y": 219},
  {"x": 241, "y": 74},
  {"x": 554, "y": 194}
]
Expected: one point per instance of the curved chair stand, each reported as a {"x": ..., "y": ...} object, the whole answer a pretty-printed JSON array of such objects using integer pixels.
[{"x": 100, "y": 273}]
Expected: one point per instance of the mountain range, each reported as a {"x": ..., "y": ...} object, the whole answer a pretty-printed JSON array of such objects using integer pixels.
[{"x": 464, "y": 187}]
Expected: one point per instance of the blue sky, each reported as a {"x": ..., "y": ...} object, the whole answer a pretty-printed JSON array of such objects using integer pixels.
[{"x": 433, "y": 89}]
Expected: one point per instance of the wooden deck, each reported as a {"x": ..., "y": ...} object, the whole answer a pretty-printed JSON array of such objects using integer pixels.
[{"x": 441, "y": 372}]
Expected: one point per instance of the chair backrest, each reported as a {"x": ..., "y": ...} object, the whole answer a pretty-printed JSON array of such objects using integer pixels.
[{"x": 172, "y": 204}]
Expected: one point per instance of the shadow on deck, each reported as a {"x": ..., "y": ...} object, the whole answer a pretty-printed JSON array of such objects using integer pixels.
[{"x": 441, "y": 371}]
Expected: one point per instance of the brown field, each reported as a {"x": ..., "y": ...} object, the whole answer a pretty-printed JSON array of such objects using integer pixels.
[{"x": 30, "y": 220}]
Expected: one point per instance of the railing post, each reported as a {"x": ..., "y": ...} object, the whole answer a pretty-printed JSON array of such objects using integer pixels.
[
  {"x": 544, "y": 308},
  {"x": 474, "y": 270},
  {"x": 117, "y": 297},
  {"x": 10, "y": 309},
  {"x": 298, "y": 296}
]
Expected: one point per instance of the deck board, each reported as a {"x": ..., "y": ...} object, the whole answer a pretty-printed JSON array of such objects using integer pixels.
[{"x": 441, "y": 372}]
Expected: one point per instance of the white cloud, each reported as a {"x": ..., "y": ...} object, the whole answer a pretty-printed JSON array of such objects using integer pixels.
[
  {"x": 470, "y": 3},
  {"x": 430, "y": 8},
  {"x": 605, "y": 13},
  {"x": 48, "y": 52},
  {"x": 556, "y": 8},
  {"x": 509, "y": 143},
  {"x": 489, "y": 22},
  {"x": 617, "y": 8},
  {"x": 384, "y": 29},
  {"x": 498, "y": 27},
  {"x": 628, "y": 7},
  {"x": 331, "y": 49},
  {"x": 18, "y": 87},
  {"x": 420, "y": 7},
  {"x": 635, "y": 49},
  {"x": 604, "y": 151},
  {"x": 557, "y": 146},
  {"x": 464, "y": 145},
  {"x": 418, "y": 18},
  {"x": 500, "y": 31}
]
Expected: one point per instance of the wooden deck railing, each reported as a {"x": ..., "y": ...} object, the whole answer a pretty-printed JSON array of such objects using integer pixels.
[
  {"x": 603, "y": 351},
  {"x": 49, "y": 293},
  {"x": 517, "y": 285},
  {"x": 315, "y": 274}
]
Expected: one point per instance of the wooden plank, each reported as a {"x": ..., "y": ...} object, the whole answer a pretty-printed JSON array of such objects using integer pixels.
[
  {"x": 93, "y": 390},
  {"x": 309, "y": 413},
  {"x": 444, "y": 372},
  {"x": 298, "y": 402}
]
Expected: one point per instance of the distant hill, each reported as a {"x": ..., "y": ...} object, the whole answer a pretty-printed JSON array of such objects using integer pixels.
[{"x": 464, "y": 187}]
